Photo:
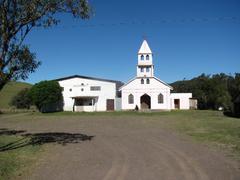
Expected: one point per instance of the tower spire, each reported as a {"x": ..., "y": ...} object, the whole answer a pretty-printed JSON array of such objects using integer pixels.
[
  {"x": 145, "y": 66},
  {"x": 144, "y": 49}
]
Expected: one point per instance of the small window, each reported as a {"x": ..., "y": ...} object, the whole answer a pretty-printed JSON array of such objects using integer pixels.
[
  {"x": 147, "y": 57},
  {"x": 82, "y": 84},
  {"x": 82, "y": 89},
  {"x": 95, "y": 88},
  {"x": 142, "y": 69},
  {"x": 70, "y": 89},
  {"x": 148, "y": 81},
  {"x": 147, "y": 69},
  {"x": 130, "y": 99},
  {"x": 160, "y": 98},
  {"x": 142, "y": 57},
  {"x": 142, "y": 81}
]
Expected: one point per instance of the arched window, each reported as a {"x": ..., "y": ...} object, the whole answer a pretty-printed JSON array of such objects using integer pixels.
[
  {"x": 130, "y": 99},
  {"x": 142, "y": 81},
  {"x": 147, "y": 57},
  {"x": 160, "y": 98},
  {"x": 147, "y": 69},
  {"x": 142, "y": 57},
  {"x": 148, "y": 81}
]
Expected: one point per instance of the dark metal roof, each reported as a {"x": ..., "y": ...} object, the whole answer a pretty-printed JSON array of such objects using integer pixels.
[{"x": 118, "y": 83}]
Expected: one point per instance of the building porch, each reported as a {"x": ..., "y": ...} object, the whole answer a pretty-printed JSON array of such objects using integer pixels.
[{"x": 85, "y": 103}]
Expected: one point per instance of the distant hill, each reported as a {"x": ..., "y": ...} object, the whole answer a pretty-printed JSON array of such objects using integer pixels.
[{"x": 10, "y": 90}]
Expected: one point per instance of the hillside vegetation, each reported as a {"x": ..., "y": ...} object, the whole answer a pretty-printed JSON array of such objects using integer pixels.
[
  {"x": 212, "y": 92},
  {"x": 10, "y": 90}
]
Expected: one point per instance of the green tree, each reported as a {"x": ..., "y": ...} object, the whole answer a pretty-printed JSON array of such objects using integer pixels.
[
  {"x": 212, "y": 92},
  {"x": 22, "y": 99},
  {"x": 17, "y": 19},
  {"x": 47, "y": 96},
  {"x": 234, "y": 86},
  {"x": 220, "y": 94}
]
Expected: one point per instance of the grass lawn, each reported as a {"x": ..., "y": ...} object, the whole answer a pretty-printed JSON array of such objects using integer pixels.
[
  {"x": 13, "y": 163},
  {"x": 208, "y": 127}
]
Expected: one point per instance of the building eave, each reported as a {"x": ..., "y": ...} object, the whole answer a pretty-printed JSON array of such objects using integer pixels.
[
  {"x": 164, "y": 83},
  {"x": 84, "y": 97},
  {"x": 118, "y": 83},
  {"x": 171, "y": 88},
  {"x": 127, "y": 83}
]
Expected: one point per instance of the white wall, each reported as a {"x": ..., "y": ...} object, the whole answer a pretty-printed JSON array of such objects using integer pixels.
[
  {"x": 108, "y": 91},
  {"x": 153, "y": 89},
  {"x": 184, "y": 100},
  {"x": 84, "y": 108},
  {"x": 145, "y": 62},
  {"x": 145, "y": 73},
  {"x": 118, "y": 104}
]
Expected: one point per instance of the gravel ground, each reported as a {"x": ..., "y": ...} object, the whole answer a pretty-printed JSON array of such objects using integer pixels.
[{"x": 123, "y": 148}]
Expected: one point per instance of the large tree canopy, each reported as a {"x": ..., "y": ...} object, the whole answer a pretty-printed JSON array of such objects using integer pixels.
[
  {"x": 17, "y": 19},
  {"x": 47, "y": 96}
]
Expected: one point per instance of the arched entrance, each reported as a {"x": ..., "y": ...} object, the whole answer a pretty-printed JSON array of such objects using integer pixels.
[{"x": 145, "y": 101}]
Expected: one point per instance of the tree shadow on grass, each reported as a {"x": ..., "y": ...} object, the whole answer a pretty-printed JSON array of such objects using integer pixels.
[{"x": 41, "y": 138}]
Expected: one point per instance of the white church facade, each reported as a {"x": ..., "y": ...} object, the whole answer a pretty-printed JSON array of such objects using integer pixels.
[
  {"x": 145, "y": 91},
  {"x": 88, "y": 94}
]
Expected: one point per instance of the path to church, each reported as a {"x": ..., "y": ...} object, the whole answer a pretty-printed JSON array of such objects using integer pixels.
[{"x": 123, "y": 148}]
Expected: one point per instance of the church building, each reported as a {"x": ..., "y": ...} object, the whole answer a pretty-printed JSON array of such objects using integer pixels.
[{"x": 146, "y": 91}]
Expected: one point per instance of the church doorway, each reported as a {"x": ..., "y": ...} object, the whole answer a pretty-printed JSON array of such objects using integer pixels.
[
  {"x": 145, "y": 101},
  {"x": 177, "y": 103}
]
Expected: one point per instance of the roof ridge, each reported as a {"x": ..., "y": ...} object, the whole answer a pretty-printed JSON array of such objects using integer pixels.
[{"x": 86, "y": 77}]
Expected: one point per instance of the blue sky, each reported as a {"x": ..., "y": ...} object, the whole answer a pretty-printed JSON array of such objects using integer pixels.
[{"x": 184, "y": 44}]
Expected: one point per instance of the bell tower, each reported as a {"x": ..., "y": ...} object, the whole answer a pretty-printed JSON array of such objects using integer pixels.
[{"x": 145, "y": 67}]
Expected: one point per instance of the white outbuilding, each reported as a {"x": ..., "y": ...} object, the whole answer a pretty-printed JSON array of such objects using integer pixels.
[
  {"x": 145, "y": 91},
  {"x": 82, "y": 93}
]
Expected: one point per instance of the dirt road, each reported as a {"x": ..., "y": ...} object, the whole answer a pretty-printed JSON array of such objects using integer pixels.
[{"x": 124, "y": 148}]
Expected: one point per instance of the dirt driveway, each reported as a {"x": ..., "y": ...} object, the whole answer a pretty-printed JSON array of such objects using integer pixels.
[{"x": 123, "y": 148}]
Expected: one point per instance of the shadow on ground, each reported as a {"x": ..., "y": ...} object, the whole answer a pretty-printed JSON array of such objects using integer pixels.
[{"x": 41, "y": 138}]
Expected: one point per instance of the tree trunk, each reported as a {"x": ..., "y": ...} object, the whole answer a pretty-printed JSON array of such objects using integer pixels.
[{"x": 2, "y": 84}]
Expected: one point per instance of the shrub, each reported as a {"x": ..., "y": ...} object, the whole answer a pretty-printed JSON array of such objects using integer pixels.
[
  {"x": 47, "y": 96},
  {"x": 22, "y": 99}
]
